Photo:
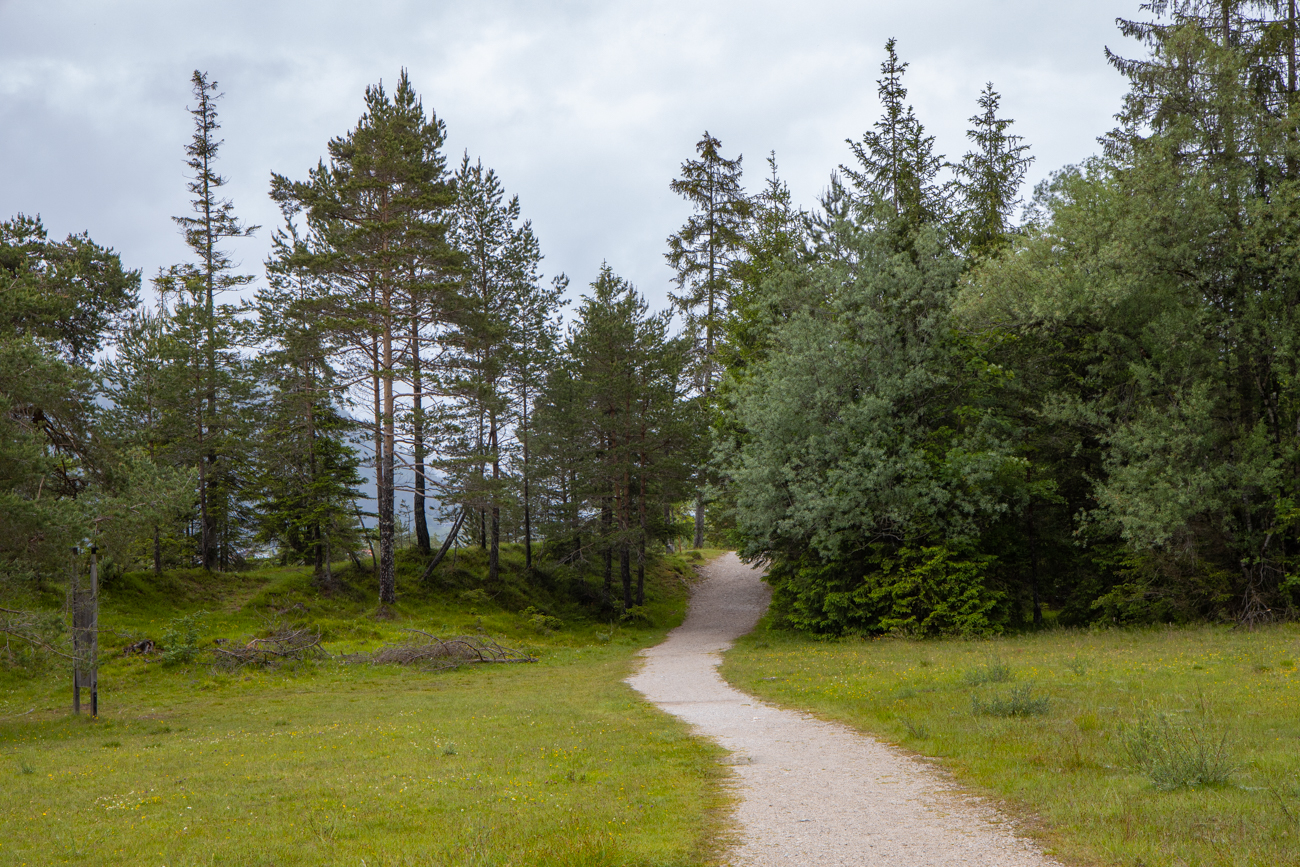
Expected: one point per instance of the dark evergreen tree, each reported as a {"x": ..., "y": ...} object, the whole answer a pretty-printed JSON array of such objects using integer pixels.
[
  {"x": 704, "y": 253},
  {"x": 989, "y": 178},
  {"x": 307, "y": 469},
  {"x": 214, "y": 333},
  {"x": 896, "y": 177}
]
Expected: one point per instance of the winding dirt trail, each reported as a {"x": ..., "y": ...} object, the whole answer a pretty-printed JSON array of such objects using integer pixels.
[{"x": 813, "y": 793}]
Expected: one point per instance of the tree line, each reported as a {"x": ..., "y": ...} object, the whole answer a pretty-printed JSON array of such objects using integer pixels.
[
  {"x": 925, "y": 404},
  {"x": 936, "y": 420},
  {"x": 404, "y": 328}
]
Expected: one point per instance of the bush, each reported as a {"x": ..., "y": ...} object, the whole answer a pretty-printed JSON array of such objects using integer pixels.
[
  {"x": 1018, "y": 702},
  {"x": 180, "y": 640},
  {"x": 931, "y": 591},
  {"x": 540, "y": 621},
  {"x": 1178, "y": 758}
]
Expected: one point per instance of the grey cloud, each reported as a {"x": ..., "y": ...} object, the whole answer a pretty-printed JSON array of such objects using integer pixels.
[{"x": 586, "y": 109}]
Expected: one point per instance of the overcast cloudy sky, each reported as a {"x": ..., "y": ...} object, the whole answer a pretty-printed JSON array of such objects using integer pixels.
[{"x": 585, "y": 109}]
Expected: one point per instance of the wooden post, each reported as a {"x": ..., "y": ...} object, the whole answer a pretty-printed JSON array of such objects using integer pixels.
[
  {"x": 94, "y": 632},
  {"x": 85, "y": 634}
]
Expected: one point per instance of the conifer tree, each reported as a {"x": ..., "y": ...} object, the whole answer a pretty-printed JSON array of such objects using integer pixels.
[
  {"x": 897, "y": 169},
  {"x": 989, "y": 178},
  {"x": 307, "y": 470},
  {"x": 532, "y": 354},
  {"x": 500, "y": 338},
  {"x": 378, "y": 213},
  {"x": 704, "y": 253},
  {"x": 211, "y": 328}
]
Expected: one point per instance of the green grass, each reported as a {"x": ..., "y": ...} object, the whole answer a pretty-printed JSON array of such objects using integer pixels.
[
  {"x": 1154, "y": 747},
  {"x": 556, "y": 762}
]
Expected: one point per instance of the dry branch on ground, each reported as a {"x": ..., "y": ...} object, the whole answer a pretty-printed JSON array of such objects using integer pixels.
[
  {"x": 435, "y": 653},
  {"x": 283, "y": 645}
]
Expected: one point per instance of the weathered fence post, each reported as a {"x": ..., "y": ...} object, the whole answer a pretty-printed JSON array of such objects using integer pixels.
[{"x": 85, "y": 635}]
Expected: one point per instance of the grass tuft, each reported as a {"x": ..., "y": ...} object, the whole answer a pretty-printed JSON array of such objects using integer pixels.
[
  {"x": 1178, "y": 757},
  {"x": 1018, "y": 702},
  {"x": 993, "y": 671}
]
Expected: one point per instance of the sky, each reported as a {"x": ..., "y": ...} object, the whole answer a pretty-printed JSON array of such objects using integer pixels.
[{"x": 585, "y": 109}]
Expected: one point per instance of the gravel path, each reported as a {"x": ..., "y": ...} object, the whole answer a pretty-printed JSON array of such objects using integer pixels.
[{"x": 813, "y": 793}]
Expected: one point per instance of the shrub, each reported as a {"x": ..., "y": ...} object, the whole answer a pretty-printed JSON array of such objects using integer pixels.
[
  {"x": 994, "y": 671},
  {"x": 925, "y": 592},
  {"x": 180, "y": 640},
  {"x": 1018, "y": 702},
  {"x": 1178, "y": 757},
  {"x": 540, "y": 621}
]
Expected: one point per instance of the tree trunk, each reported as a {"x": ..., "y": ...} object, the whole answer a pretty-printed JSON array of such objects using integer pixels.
[
  {"x": 417, "y": 424},
  {"x": 668, "y": 533},
  {"x": 387, "y": 576},
  {"x": 446, "y": 545},
  {"x": 528, "y": 521},
  {"x": 699, "y": 520},
  {"x": 1033, "y": 565},
  {"x": 494, "y": 553},
  {"x": 379, "y": 438},
  {"x": 640, "y": 571},
  {"x": 625, "y": 572},
  {"x": 606, "y": 524}
]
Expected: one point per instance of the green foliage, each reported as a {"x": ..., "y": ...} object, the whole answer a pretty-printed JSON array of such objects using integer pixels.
[
  {"x": 544, "y": 623},
  {"x": 934, "y": 591},
  {"x": 1018, "y": 702},
  {"x": 1179, "y": 757},
  {"x": 180, "y": 638},
  {"x": 68, "y": 295}
]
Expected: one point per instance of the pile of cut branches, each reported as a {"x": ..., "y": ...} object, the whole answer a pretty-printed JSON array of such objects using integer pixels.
[
  {"x": 436, "y": 654},
  {"x": 285, "y": 644}
]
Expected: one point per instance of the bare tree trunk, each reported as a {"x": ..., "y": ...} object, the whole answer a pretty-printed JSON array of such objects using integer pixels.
[
  {"x": 528, "y": 518},
  {"x": 446, "y": 546},
  {"x": 625, "y": 572},
  {"x": 205, "y": 539},
  {"x": 417, "y": 423},
  {"x": 387, "y": 576},
  {"x": 699, "y": 520},
  {"x": 668, "y": 533},
  {"x": 494, "y": 553},
  {"x": 606, "y": 524}
]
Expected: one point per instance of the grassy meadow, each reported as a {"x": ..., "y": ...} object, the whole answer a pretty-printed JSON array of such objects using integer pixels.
[
  {"x": 1163, "y": 746},
  {"x": 330, "y": 762}
]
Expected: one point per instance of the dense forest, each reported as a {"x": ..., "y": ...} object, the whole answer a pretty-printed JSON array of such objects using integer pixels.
[{"x": 928, "y": 405}]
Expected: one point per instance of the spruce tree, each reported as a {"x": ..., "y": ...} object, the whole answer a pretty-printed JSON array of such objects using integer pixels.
[
  {"x": 532, "y": 353},
  {"x": 307, "y": 469},
  {"x": 897, "y": 169},
  {"x": 213, "y": 329},
  {"x": 989, "y": 178},
  {"x": 704, "y": 253}
]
